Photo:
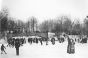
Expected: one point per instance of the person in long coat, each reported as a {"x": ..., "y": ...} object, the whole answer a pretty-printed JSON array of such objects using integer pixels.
[
  {"x": 37, "y": 40},
  {"x": 41, "y": 41},
  {"x": 70, "y": 47},
  {"x": 29, "y": 40},
  {"x": 17, "y": 45},
  {"x": 53, "y": 41},
  {"x": 3, "y": 49},
  {"x": 84, "y": 40}
]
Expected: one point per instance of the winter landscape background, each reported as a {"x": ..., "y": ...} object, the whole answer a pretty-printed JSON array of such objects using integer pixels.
[{"x": 46, "y": 19}]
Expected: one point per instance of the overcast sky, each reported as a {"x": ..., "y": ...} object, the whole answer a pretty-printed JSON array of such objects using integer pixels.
[
  {"x": 0, "y": 4},
  {"x": 45, "y": 9}
]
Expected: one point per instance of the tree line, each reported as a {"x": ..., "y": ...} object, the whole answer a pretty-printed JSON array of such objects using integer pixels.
[{"x": 58, "y": 25}]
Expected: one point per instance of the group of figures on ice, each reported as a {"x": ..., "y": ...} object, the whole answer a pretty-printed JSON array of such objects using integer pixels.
[
  {"x": 72, "y": 41},
  {"x": 19, "y": 41},
  {"x": 12, "y": 42}
]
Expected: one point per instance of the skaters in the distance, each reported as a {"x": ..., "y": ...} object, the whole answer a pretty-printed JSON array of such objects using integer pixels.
[
  {"x": 41, "y": 41},
  {"x": 53, "y": 41},
  {"x": 3, "y": 49}
]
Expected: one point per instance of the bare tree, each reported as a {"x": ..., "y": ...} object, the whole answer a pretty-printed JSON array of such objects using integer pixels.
[
  {"x": 76, "y": 28},
  {"x": 3, "y": 19},
  {"x": 86, "y": 25},
  {"x": 33, "y": 22},
  {"x": 10, "y": 24},
  {"x": 44, "y": 27},
  {"x": 28, "y": 26}
]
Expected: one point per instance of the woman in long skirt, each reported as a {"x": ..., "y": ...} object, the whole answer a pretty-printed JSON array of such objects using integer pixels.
[{"x": 71, "y": 47}]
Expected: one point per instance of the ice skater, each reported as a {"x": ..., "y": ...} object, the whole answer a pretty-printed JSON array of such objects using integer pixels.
[{"x": 3, "y": 49}]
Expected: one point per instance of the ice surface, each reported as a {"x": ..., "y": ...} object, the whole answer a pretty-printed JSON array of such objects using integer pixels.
[{"x": 59, "y": 50}]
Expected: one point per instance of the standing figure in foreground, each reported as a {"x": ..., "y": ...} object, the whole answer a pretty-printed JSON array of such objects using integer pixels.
[
  {"x": 71, "y": 47},
  {"x": 3, "y": 49},
  {"x": 17, "y": 45}
]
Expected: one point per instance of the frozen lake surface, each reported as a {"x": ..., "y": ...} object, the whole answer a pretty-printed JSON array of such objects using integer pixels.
[{"x": 59, "y": 50}]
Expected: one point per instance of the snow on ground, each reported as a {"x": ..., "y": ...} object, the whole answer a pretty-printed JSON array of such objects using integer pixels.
[{"x": 59, "y": 50}]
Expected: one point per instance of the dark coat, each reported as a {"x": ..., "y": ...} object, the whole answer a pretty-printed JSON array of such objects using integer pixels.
[
  {"x": 2, "y": 48},
  {"x": 17, "y": 43}
]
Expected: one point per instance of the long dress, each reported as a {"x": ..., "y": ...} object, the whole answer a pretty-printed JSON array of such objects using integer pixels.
[{"x": 71, "y": 47}]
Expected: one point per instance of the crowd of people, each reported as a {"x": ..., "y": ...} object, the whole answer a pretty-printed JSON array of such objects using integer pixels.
[
  {"x": 11, "y": 41},
  {"x": 17, "y": 42},
  {"x": 37, "y": 40}
]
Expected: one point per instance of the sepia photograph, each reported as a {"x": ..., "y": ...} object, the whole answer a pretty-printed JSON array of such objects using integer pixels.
[{"x": 43, "y": 28}]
